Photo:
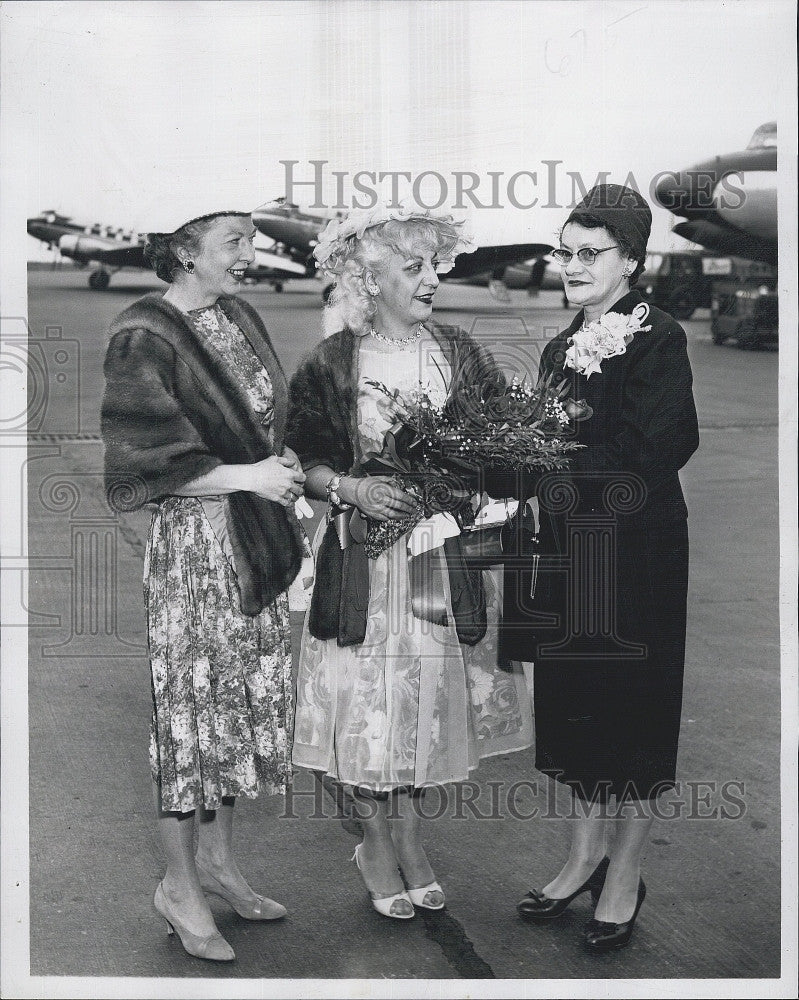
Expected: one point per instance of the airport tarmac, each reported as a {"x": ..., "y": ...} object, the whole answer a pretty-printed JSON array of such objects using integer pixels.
[{"x": 713, "y": 902}]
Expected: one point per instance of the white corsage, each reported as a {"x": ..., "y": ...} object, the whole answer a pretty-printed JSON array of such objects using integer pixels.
[{"x": 606, "y": 337}]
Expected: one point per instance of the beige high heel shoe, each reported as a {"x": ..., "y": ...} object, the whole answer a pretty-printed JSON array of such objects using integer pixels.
[
  {"x": 387, "y": 905},
  {"x": 214, "y": 947},
  {"x": 261, "y": 908}
]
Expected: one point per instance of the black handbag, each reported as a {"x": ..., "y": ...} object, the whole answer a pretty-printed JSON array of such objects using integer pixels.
[
  {"x": 482, "y": 546},
  {"x": 498, "y": 544}
]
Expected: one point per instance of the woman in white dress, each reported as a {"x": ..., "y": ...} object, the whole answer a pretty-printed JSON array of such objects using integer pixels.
[{"x": 388, "y": 702}]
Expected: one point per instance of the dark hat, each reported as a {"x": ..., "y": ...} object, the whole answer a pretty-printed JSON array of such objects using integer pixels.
[{"x": 623, "y": 210}]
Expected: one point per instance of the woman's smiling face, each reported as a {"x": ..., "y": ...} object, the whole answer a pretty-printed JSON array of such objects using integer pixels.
[
  {"x": 225, "y": 254},
  {"x": 595, "y": 286},
  {"x": 407, "y": 285}
]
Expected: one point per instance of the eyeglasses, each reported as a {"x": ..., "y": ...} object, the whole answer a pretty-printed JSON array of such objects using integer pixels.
[{"x": 587, "y": 255}]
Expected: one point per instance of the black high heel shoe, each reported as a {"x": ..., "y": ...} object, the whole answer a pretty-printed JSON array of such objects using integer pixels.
[
  {"x": 601, "y": 935},
  {"x": 537, "y": 906}
]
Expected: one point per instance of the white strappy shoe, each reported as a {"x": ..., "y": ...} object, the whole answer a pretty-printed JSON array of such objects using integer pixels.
[
  {"x": 388, "y": 905},
  {"x": 419, "y": 897}
]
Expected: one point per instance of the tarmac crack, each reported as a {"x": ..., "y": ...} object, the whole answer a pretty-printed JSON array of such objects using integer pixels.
[{"x": 456, "y": 947}]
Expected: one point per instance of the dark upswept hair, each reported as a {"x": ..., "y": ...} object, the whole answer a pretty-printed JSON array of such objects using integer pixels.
[
  {"x": 585, "y": 218},
  {"x": 160, "y": 248}
]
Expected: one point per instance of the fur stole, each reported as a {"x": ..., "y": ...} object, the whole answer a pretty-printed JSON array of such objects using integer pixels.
[{"x": 173, "y": 410}]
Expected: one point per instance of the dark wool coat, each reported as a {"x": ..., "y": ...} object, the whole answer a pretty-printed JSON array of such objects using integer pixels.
[
  {"x": 174, "y": 410},
  {"x": 606, "y": 627},
  {"x": 323, "y": 430}
]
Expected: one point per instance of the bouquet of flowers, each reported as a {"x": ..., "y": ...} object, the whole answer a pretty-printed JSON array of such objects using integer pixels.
[
  {"x": 437, "y": 450},
  {"x": 525, "y": 427}
]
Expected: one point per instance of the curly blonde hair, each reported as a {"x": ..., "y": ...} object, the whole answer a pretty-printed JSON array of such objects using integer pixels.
[{"x": 350, "y": 304}]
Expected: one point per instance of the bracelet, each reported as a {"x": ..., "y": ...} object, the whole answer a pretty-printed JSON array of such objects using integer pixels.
[{"x": 332, "y": 491}]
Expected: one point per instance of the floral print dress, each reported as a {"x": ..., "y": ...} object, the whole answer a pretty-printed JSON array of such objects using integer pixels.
[
  {"x": 221, "y": 680},
  {"x": 410, "y": 706}
]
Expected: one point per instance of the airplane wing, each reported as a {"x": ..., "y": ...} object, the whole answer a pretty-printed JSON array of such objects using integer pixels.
[
  {"x": 725, "y": 239},
  {"x": 88, "y": 248},
  {"x": 280, "y": 263},
  {"x": 486, "y": 260}
]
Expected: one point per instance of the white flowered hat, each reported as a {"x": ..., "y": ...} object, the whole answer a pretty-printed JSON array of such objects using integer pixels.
[{"x": 337, "y": 239}]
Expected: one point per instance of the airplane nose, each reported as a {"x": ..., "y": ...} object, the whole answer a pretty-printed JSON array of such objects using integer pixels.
[
  {"x": 671, "y": 192},
  {"x": 688, "y": 192}
]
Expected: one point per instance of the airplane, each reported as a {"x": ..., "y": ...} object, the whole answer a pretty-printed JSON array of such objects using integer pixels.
[
  {"x": 107, "y": 246},
  {"x": 729, "y": 202},
  {"x": 113, "y": 249},
  {"x": 295, "y": 234}
]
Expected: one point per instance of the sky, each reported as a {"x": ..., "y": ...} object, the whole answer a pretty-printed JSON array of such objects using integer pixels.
[{"x": 125, "y": 105}]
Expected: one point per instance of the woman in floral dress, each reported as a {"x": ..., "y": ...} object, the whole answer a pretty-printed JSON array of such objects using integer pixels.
[
  {"x": 193, "y": 418},
  {"x": 389, "y": 703}
]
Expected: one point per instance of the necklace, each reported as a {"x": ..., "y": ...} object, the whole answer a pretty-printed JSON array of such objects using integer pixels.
[{"x": 398, "y": 341}]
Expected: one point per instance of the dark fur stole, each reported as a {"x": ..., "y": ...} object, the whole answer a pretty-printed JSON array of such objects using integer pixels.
[{"x": 173, "y": 410}]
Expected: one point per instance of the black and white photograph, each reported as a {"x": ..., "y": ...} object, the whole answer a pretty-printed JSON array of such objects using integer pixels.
[{"x": 398, "y": 448}]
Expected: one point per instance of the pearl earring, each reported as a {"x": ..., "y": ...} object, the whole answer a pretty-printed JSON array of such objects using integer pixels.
[{"x": 188, "y": 266}]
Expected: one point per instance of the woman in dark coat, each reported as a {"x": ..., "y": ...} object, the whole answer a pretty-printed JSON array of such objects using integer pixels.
[
  {"x": 606, "y": 627},
  {"x": 193, "y": 418}
]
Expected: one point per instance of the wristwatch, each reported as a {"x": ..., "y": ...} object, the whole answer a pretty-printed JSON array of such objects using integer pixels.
[{"x": 332, "y": 491}]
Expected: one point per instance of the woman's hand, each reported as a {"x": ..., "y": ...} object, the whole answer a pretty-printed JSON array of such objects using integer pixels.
[
  {"x": 276, "y": 478},
  {"x": 293, "y": 458},
  {"x": 377, "y": 497}
]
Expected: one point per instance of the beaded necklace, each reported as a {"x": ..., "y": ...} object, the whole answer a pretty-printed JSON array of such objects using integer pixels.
[{"x": 398, "y": 341}]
